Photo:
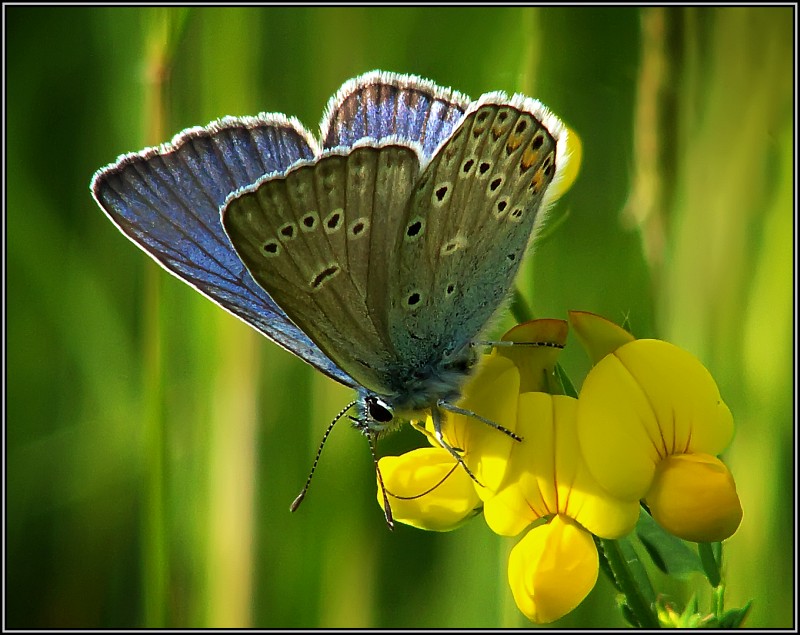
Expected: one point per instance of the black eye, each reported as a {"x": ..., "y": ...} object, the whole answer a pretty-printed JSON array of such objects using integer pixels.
[{"x": 378, "y": 411}]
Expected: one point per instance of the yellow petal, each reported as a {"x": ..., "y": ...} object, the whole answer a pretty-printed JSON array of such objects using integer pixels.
[
  {"x": 528, "y": 491},
  {"x": 598, "y": 336},
  {"x": 508, "y": 512},
  {"x": 542, "y": 341},
  {"x": 694, "y": 497},
  {"x": 552, "y": 569},
  {"x": 595, "y": 509},
  {"x": 647, "y": 400},
  {"x": 492, "y": 393},
  {"x": 614, "y": 421},
  {"x": 532, "y": 462},
  {"x": 691, "y": 414},
  {"x": 435, "y": 492},
  {"x": 568, "y": 174},
  {"x": 546, "y": 475},
  {"x": 580, "y": 496}
]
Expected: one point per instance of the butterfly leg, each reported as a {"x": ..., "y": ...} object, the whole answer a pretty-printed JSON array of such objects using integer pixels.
[
  {"x": 508, "y": 343},
  {"x": 387, "y": 508},
  {"x": 488, "y": 422},
  {"x": 436, "y": 414}
]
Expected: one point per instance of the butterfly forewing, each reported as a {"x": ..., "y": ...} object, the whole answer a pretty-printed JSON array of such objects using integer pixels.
[
  {"x": 381, "y": 105},
  {"x": 167, "y": 201},
  {"x": 317, "y": 239},
  {"x": 470, "y": 218}
]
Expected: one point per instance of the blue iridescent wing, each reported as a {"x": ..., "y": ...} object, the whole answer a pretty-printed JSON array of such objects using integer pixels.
[
  {"x": 167, "y": 201},
  {"x": 380, "y": 105}
]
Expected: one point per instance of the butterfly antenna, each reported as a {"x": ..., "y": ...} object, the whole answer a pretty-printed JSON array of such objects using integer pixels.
[
  {"x": 296, "y": 503},
  {"x": 387, "y": 508}
]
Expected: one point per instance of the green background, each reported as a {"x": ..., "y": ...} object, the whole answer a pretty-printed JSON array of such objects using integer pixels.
[{"x": 154, "y": 442}]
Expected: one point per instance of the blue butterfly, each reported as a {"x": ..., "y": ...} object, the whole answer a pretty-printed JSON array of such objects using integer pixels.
[{"x": 378, "y": 253}]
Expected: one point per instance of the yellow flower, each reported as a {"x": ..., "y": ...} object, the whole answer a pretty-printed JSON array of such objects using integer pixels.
[
  {"x": 555, "y": 565},
  {"x": 427, "y": 489},
  {"x": 567, "y": 175},
  {"x": 540, "y": 342},
  {"x": 693, "y": 496},
  {"x": 413, "y": 480},
  {"x": 546, "y": 475},
  {"x": 552, "y": 569},
  {"x": 642, "y": 406},
  {"x": 541, "y": 479}
]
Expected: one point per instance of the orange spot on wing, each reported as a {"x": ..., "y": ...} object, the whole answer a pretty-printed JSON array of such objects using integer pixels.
[
  {"x": 529, "y": 157},
  {"x": 514, "y": 142}
]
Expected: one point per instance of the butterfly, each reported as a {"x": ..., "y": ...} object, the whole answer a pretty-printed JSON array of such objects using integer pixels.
[{"x": 378, "y": 252}]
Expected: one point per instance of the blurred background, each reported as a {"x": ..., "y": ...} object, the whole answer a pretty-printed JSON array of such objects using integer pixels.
[{"x": 154, "y": 442}]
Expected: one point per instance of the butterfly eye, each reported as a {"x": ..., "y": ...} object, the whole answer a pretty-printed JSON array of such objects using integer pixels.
[{"x": 378, "y": 410}]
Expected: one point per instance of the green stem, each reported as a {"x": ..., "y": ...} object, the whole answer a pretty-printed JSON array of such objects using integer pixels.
[
  {"x": 718, "y": 600},
  {"x": 155, "y": 563},
  {"x": 639, "y": 607},
  {"x": 162, "y": 30},
  {"x": 710, "y": 564},
  {"x": 154, "y": 560},
  {"x": 520, "y": 308}
]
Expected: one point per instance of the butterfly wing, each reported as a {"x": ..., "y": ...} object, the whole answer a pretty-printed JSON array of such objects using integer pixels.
[
  {"x": 317, "y": 239},
  {"x": 470, "y": 219},
  {"x": 297, "y": 233},
  {"x": 167, "y": 201},
  {"x": 379, "y": 105}
]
